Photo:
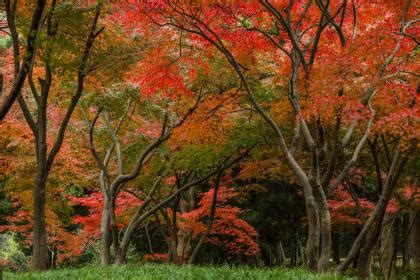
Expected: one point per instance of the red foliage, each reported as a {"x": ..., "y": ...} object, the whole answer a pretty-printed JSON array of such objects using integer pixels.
[
  {"x": 94, "y": 202},
  {"x": 229, "y": 231},
  {"x": 344, "y": 209},
  {"x": 68, "y": 245}
]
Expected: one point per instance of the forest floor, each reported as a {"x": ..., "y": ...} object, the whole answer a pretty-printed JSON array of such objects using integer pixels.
[{"x": 156, "y": 272}]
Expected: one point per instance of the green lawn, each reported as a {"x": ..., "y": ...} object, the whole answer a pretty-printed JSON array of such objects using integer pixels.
[{"x": 150, "y": 271}]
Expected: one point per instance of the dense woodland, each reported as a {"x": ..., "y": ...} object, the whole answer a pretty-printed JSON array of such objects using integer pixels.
[{"x": 262, "y": 133}]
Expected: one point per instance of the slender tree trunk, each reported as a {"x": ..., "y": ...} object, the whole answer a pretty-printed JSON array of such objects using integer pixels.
[
  {"x": 174, "y": 246},
  {"x": 21, "y": 72},
  {"x": 183, "y": 247},
  {"x": 120, "y": 254},
  {"x": 347, "y": 244},
  {"x": 54, "y": 258},
  {"x": 312, "y": 244},
  {"x": 211, "y": 219},
  {"x": 301, "y": 257},
  {"x": 406, "y": 244},
  {"x": 336, "y": 247},
  {"x": 367, "y": 237},
  {"x": 39, "y": 238},
  {"x": 280, "y": 256},
  {"x": 105, "y": 233},
  {"x": 39, "y": 235},
  {"x": 364, "y": 264},
  {"x": 415, "y": 243},
  {"x": 114, "y": 228},
  {"x": 366, "y": 252},
  {"x": 292, "y": 252},
  {"x": 325, "y": 217},
  {"x": 170, "y": 254},
  {"x": 387, "y": 247}
]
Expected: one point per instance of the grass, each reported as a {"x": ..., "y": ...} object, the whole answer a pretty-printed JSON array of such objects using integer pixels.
[{"x": 156, "y": 272}]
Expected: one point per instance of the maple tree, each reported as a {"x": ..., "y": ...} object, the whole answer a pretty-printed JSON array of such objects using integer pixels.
[
  {"x": 301, "y": 27},
  {"x": 225, "y": 228},
  {"x": 211, "y": 220}
]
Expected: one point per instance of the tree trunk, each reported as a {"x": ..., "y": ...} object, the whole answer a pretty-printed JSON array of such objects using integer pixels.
[
  {"x": 387, "y": 247},
  {"x": 39, "y": 235},
  {"x": 415, "y": 243},
  {"x": 120, "y": 257},
  {"x": 336, "y": 247},
  {"x": 406, "y": 243},
  {"x": 173, "y": 249},
  {"x": 105, "y": 233},
  {"x": 312, "y": 244},
  {"x": 366, "y": 252},
  {"x": 301, "y": 256},
  {"x": 324, "y": 259},
  {"x": 280, "y": 256},
  {"x": 114, "y": 229},
  {"x": 54, "y": 253},
  {"x": 364, "y": 264},
  {"x": 292, "y": 252},
  {"x": 366, "y": 239},
  {"x": 347, "y": 244},
  {"x": 121, "y": 253},
  {"x": 183, "y": 248}
]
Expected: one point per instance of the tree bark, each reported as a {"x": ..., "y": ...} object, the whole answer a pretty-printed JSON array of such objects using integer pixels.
[
  {"x": 105, "y": 233},
  {"x": 280, "y": 256},
  {"x": 324, "y": 259},
  {"x": 387, "y": 248},
  {"x": 312, "y": 244},
  {"x": 39, "y": 235},
  {"x": 415, "y": 243},
  {"x": 301, "y": 256},
  {"x": 292, "y": 253},
  {"x": 210, "y": 222},
  {"x": 183, "y": 247},
  {"x": 406, "y": 243},
  {"x": 336, "y": 247},
  {"x": 364, "y": 264},
  {"x": 365, "y": 240},
  {"x": 120, "y": 256}
]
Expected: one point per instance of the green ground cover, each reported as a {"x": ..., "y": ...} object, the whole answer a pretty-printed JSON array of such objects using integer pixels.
[{"x": 151, "y": 271}]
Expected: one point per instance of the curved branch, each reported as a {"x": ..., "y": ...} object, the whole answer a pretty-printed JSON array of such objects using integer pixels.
[{"x": 21, "y": 71}]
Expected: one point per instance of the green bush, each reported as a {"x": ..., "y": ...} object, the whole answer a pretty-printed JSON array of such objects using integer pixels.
[{"x": 11, "y": 253}]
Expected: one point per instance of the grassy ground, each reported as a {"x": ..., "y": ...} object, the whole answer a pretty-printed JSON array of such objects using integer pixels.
[{"x": 156, "y": 272}]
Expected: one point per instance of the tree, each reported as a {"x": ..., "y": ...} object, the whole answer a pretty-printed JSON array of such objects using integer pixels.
[
  {"x": 51, "y": 29},
  {"x": 111, "y": 187},
  {"x": 300, "y": 30},
  {"x": 212, "y": 220},
  {"x": 176, "y": 97}
]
